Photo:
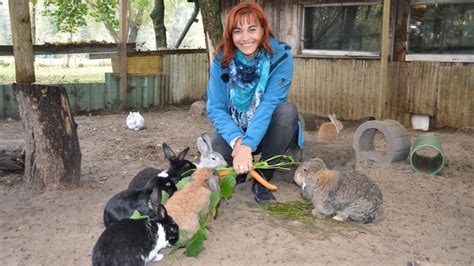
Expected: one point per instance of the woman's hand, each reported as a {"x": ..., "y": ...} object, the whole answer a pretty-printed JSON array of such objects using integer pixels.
[{"x": 242, "y": 154}]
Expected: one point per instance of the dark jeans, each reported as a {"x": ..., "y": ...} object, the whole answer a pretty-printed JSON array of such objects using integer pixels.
[{"x": 281, "y": 136}]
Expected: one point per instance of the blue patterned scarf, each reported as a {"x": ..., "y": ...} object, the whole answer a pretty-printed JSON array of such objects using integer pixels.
[{"x": 248, "y": 80}]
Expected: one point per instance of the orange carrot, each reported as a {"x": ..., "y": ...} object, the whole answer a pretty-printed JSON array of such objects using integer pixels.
[
  {"x": 224, "y": 173},
  {"x": 253, "y": 174},
  {"x": 261, "y": 180}
]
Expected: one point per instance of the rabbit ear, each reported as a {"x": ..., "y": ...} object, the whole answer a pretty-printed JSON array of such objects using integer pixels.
[
  {"x": 207, "y": 139},
  {"x": 213, "y": 184},
  {"x": 155, "y": 199},
  {"x": 202, "y": 146},
  {"x": 182, "y": 154},
  {"x": 161, "y": 212},
  {"x": 169, "y": 153}
]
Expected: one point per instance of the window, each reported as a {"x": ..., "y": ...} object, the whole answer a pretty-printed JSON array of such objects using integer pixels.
[
  {"x": 347, "y": 29},
  {"x": 441, "y": 31}
]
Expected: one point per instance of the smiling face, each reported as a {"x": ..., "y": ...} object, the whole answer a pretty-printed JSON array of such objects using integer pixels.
[{"x": 247, "y": 37}]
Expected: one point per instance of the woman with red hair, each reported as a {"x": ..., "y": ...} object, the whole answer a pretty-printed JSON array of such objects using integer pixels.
[{"x": 250, "y": 77}]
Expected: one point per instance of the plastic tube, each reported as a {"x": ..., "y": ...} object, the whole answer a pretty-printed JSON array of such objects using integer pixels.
[{"x": 430, "y": 164}]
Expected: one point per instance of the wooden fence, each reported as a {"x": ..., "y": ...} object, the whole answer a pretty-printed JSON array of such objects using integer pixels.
[
  {"x": 183, "y": 81},
  {"x": 348, "y": 87}
]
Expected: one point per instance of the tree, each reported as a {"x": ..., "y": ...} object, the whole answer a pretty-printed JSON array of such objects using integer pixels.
[
  {"x": 211, "y": 17},
  {"x": 68, "y": 16},
  {"x": 52, "y": 152},
  {"x": 158, "y": 18}
]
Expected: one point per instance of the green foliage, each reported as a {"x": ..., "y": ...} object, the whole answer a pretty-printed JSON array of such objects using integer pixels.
[
  {"x": 227, "y": 185},
  {"x": 215, "y": 198},
  {"x": 67, "y": 15},
  {"x": 106, "y": 11},
  {"x": 182, "y": 182},
  {"x": 136, "y": 215},
  {"x": 164, "y": 198}
]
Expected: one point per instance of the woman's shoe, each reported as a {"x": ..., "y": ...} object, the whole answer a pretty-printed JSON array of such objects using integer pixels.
[{"x": 262, "y": 194}]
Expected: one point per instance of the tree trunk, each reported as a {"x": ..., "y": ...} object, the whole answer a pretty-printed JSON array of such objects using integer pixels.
[
  {"x": 22, "y": 43},
  {"x": 134, "y": 24},
  {"x": 158, "y": 18},
  {"x": 211, "y": 19},
  {"x": 132, "y": 33},
  {"x": 67, "y": 57},
  {"x": 403, "y": 11},
  {"x": 33, "y": 23},
  {"x": 52, "y": 152}
]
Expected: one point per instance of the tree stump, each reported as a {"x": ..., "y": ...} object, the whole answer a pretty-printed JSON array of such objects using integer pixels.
[{"x": 52, "y": 152}]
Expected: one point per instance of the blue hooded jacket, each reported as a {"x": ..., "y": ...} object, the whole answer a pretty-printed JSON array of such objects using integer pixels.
[{"x": 276, "y": 92}]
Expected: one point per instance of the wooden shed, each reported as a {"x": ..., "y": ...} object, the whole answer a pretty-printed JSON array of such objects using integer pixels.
[{"x": 383, "y": 58}]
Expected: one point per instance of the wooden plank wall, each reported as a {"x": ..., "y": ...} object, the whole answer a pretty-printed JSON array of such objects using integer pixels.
[
  {"x": 350, "y": 88},
  {"x": 347, "y": 87},
  {"x": 455, "y": 97},
  {"x": 186, "y": 78}
]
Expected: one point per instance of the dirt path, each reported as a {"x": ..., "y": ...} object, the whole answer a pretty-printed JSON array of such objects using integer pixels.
[{"x": 427, "y": 218}]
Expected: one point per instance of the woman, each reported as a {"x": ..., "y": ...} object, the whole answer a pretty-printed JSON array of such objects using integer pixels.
[{"x": 247, "y": 95}]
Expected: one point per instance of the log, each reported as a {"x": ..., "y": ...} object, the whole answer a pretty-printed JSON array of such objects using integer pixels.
[
  {"x": 12, "y": 156},
  {"x": 12, "y": 162}
]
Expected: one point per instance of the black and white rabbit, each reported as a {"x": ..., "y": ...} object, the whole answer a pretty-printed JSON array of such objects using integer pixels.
[
  {"x": 136, "y": 242},
  {"x": 123, "y": 204},
  {"x": 178, "y": 166}
]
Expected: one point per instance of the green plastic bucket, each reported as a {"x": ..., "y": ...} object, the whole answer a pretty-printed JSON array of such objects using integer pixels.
[{"x": 426, "y": 154}]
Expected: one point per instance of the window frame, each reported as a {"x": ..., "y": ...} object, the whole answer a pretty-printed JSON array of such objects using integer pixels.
[
  {"x": 336, "y": 53},
  {"x": 450, "y": 58}
]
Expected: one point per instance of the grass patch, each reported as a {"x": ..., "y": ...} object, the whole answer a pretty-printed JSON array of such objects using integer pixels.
[
  {"x": 54, "y": 74},
  {"x": 304, "y": 222}
]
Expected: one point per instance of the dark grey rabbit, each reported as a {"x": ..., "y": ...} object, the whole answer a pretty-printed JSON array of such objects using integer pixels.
[
  {"x": 343, "y": 195},
  {"x": 136, "y": 242},
  {"x": 178, "y": 168}
]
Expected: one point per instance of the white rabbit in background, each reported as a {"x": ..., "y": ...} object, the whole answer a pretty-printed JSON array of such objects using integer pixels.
[{"x": 135, "y": 121}]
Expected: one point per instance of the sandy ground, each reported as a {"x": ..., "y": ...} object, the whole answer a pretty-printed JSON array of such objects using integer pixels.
[{"x": 429, "y": 219}]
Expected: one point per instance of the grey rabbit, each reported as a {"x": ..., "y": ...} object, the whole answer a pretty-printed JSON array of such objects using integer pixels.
[
  {"x": 209, "y": 158},
  {"x": 343, "y": 195}
]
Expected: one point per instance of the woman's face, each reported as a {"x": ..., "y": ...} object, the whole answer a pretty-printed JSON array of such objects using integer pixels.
[{"x": 247, "y": 36}]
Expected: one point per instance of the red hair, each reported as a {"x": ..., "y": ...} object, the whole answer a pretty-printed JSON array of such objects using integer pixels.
[{"x": 251, "y": 12}]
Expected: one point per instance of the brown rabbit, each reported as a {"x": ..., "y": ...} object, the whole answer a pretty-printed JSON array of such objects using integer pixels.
[
  {"x": 343, "y": 195},
  {"x": 186, "y": 204},
  {"x": 329, "y": 131}
]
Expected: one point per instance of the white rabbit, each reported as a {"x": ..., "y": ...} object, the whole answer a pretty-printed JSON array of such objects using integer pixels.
[{"x": 135, "y": 121}]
